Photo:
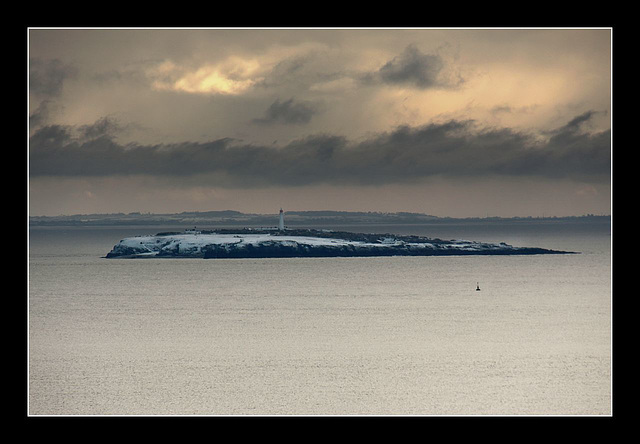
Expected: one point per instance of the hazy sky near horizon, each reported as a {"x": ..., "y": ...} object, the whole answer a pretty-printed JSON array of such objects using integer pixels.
[{"x": 448, "y": 122}]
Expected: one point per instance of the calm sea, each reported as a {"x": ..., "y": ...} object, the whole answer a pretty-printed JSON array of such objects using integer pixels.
[{"x": 322, "y": 336}]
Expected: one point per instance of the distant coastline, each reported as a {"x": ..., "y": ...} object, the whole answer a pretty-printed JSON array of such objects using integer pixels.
[{"x": 294, "y": 219}]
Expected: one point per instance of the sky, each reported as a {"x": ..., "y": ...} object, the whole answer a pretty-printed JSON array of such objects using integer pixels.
[{"x": 446, "y": 122}]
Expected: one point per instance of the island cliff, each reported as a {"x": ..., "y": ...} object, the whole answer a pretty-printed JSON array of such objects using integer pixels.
[{"x": 269, "y": 243}]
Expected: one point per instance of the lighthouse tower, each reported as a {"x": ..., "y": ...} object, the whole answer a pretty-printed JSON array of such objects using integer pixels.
[{"x": 281, "y": 223}]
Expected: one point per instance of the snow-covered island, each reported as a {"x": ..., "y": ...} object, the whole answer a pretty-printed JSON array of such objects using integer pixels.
[{"x": 264, "y": 243}]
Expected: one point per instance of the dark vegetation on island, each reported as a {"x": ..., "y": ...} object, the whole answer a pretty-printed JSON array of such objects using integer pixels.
[{"x": 277, "y": 250}]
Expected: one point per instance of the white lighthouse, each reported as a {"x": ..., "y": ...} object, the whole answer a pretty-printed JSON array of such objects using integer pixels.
[{"x": 281, "y": 223}]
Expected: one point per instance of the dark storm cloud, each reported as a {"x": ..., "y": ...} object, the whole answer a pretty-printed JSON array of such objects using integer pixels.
[
  {"x": 46, "y": 80},
  {"x": 289, "y": 112},
  {"x": 285, "y": 72},
  {"x": 454, "y": 149},
  {"x": 40, "y": 115},
  {"x": 576, "y": 123},
  {"x": 102, "y": 127},
  {"x": 412, "y": 68},
  {"x": 46, "y": 77}
]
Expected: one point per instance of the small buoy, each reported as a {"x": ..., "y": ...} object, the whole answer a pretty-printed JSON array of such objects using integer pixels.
[{"x": 477, "y": 286}]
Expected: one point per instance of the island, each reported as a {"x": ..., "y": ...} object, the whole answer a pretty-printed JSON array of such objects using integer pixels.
[{"x": 289, "y": 243}]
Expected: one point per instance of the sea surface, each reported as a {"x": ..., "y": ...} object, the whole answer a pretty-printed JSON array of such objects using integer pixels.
[{"x": 322, "y": 336}]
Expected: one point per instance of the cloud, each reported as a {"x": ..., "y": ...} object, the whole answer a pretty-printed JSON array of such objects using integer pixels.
[
  {"x": 414, "y": 68},
  {"x": 284, "y": 72},
  {"x": 105, "y": 126},
  {"x": 46, "y": 82},
  {"x": 507, "y": 109},
  {"x": 231, "y": 76},
  {"x": 288, "y": 112},
  {"x": 408, "y": 154},
  {"x": 40, "y": 115},
  {"x": 47, "y": 77},
  {"x": 576, "y": 123}
]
